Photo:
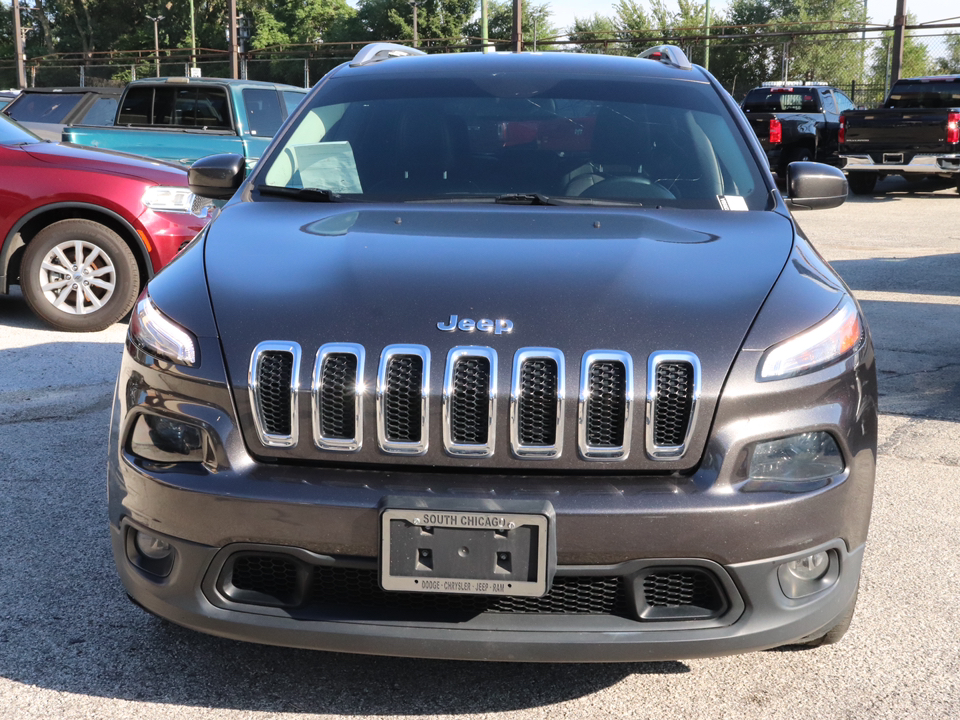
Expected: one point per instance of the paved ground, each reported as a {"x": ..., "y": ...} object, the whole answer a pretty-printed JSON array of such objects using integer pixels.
[{"x": 71, "y": 646}]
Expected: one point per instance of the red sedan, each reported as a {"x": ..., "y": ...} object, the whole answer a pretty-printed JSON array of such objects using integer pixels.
[{"x": 82, "y": 230}]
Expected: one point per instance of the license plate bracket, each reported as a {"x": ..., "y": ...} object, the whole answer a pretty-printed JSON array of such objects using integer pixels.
[{"x": 443, "y": 550}]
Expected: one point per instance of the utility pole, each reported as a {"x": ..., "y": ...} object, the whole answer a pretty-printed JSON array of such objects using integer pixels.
[
  {"x": 18, "y": 46},
  {"x": 234, "y": 60},
  {"x": 156, "y": 39},
  {"x": 899, "y": 28},
  {"x": 706, "y": 49},
  {"x": 518, "y": 25},
  {"x": 415, "y": 4},
  {"x": 484, "y": 32},
  {"x": 193, "y": 36}
]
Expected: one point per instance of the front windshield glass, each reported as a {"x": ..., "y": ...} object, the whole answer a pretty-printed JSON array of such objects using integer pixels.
[
  {"x": 43, "y": 107},
  {"x": 13, "y": 134},
  {"x": 576, "y": 140}
]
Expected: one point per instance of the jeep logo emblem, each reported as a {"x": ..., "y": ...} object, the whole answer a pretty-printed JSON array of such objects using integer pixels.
[{"x": 498, "y": 327}]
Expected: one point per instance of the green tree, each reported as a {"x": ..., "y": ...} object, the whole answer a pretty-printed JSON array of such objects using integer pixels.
[
  {"x": 439, "y": 22},
  {"x": 634, "y": 26},
  {"x": 596, "y": 34},
  {"x": 536, "y": 19},
  {"x": 916, "y": 59},
  {"x": 949, "y": 63}
]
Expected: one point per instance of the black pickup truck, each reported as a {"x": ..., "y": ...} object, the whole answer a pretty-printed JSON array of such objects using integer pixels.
[
  {"x": 796, "y": 121},
  {"x": 915, "y": 133}
]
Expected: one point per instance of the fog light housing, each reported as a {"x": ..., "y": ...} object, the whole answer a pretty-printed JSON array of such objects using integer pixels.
[
  {"x": 164, "y": 440},
  {"x": 797, "y": 462},
  {"x": 809, "y": 574},
  {"x": 151, "y": 546},
  {"x": 152, "y": 554}
]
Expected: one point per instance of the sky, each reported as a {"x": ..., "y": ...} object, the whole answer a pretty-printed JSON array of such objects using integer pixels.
[{"x": 880, "y": 11}]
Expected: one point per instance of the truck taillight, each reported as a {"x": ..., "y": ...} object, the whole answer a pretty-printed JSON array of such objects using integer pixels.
[
  {"x": 842, "y": 132},
  {"x": 953, "y": 127},
  {"x": 776, "y": 131}
]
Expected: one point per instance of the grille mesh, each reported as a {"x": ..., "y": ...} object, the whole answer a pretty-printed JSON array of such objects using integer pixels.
[
  {"x": 359, "y": 588},
  {"x": 681, "y": 588},
  {"x": 469, "y": 414},
  {"x": 402, "y": 398},
  {"x": 674, "y": 403},
  {"x": 274, "y": 376},
  {"x": 337, "y": 396},
  {"x": 270, "y": 575},
  {"x": 606, "y": 404},
  {"x": 537, "y": 422}
]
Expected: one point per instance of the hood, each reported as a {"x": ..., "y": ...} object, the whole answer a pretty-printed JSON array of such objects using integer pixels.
[
  {"x": 567, "y": 278},
  {"x": 85, "y": 158}
]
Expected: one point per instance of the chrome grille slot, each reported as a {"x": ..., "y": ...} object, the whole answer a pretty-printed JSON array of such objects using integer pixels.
[
  {"x": 673, "y": 390},
  {"x": 606, "y": 399},
  {"x": 536, "y": 403},
  {"x": 470, "y": 401},
  {"x": 338, "y": 397},
  {"x": 402, "y": 399},
  {"x": 273, "y": 382}
]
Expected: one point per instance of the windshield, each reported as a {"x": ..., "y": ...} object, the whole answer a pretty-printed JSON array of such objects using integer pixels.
[
  {"x": 43, "y": 107},
  {"x": 13, "y": 134},
  {"x": 781, "y": 99},
  {"x": 915, "y": 94},
  {"x": 588, "y": 139}
]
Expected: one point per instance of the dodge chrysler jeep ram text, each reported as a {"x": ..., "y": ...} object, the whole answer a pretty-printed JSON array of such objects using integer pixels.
[{"x": 502, "y": 357}]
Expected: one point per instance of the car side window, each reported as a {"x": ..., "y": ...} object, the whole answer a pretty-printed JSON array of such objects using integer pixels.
[
  {"x": 264, "y": 115},
  {"x": 292, "y": 99},
  {"x": 137, "y": 107},
  {"x": 103, "y": 112},
  {"x": 828, "y": 104},
  {"x": 843, "y": 101}
]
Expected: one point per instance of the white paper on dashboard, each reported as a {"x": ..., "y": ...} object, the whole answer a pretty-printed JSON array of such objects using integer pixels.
[{"x": 328, "y": 166}]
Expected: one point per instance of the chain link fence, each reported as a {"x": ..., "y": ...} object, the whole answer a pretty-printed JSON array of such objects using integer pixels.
[{"x": 858, "y": 61}]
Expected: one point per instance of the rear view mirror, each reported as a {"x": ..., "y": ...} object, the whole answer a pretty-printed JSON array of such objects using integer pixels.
[
  {"x": 815, "y": 186},
  {"x": 217, "y": 176}
]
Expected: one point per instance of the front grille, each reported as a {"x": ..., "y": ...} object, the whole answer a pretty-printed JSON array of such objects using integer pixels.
[
  {"x": 673, "y": 593},
  {"x": 403, "y": 405},
  {"x": 674, "y": 400},
  {"x": 337, "y": 396},
  {"x": 470, "y": 401},
  {"x": 278, "y": 580},
  {"x": 273, "y": 580},
  {"x": 274, "y": 368},
  {"x": 672, "y": 396},
  {"x": 606, "y": 404},
  {"x": 273, "y": 379},
  {"x": 538, "y": 403}
]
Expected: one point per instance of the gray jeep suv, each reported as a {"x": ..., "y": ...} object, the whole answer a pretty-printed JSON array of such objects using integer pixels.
[{"x": 501, "y": 357}]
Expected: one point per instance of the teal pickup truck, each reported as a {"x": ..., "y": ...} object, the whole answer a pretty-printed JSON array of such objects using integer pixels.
[{"x": 180, "y": 120}]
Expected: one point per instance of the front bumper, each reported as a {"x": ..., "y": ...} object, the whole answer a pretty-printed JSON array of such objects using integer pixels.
[
  {"x": 605, "y": 525},
  {"x": 759, "y": 616}
]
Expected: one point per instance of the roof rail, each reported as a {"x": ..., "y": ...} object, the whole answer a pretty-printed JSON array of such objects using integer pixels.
[
  {"x": 669, "y": 54},
  {"x": 376, "y": 52}
]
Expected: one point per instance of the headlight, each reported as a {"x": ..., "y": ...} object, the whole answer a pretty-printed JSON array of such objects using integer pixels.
[
  {"x": 159, "y": 335},
  {"x": 827, "y": 342},
  {"x": 176, "y": 199},
  {"x": 797, "y": 459}
]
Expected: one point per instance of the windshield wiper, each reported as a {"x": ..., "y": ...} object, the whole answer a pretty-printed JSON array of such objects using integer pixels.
[
  {"x": 309, "y": 194},
  {"x": 524, "y": 199}
]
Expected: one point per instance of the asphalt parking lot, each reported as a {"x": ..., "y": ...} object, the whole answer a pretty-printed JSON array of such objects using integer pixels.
[{"x": 72, "y": 646}]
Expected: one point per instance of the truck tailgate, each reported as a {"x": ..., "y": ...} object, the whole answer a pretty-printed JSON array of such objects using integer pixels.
[{"x": 884, "y": 130}]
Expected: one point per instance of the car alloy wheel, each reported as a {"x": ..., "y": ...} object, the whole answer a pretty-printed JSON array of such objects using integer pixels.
[{"x": 79, "y": 275}]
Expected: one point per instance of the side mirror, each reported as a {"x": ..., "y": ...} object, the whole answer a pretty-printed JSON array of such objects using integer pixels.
[
  {"x": 815, "y": 186},
  {"x": 217, "y": 176}
]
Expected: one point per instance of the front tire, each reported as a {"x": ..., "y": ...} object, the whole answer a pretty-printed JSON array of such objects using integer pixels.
[
  {"x": 862, "y": 183},
  {"x": 79, "y": 276}
]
